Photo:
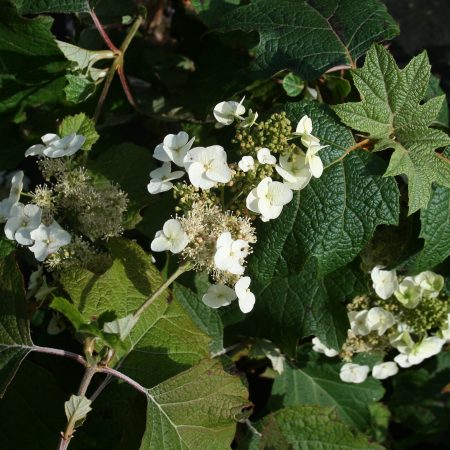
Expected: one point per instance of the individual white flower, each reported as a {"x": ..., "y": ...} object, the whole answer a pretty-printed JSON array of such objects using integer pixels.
[
  {"x": 226, "y": 112},
  {"x": 246, "y": 163},
  {"x": 268, "y": 198},
  {"x": 379, "y": 320},
  {"x": 402, "y": 341},
  {"x": 14, "y": 196},
  {"x": 56, "y": 147},
  {"x": 402, "y": 360},
  {"x": 207, "y": 166},
  {"x": 48, "y": 239},
  {"x": 246, "y": 298},
  {"x": 313, "y": 161},
  {"x": 38, "y": 149},
  {"x": 384, "y": 370},
  {"x": 22, "y": 221},
  {"x": 353, "y": 373},
  {"x": 424, "y": 349},
  {"x": 230, "y": 253},
  {"x": 430, "y": 283},
  {"x": 322, "y": 348},
  {"x": 218, "y": 295},
  {"x": 172, "y": 237},
  {"x": 294, "y": 171},
  {"x": 174, "y": 148},
  {"x": 384, "y": 282},
  {"x": 408, "y": 293},
  {"x": 161, "y": 178},
  {"x": 358, "y": 322},
  {"x": 249, "y": 120},
  {"x": 304, "y": 129},
  {"x": 265, "y": 157}
]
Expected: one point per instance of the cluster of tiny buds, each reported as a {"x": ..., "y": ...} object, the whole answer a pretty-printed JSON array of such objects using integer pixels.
[{"x": 409, "y": 315}]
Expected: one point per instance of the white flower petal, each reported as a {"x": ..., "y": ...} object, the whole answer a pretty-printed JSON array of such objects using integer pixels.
[
  {"x": 384, "y": 370},
  {"x": 354, "y": 373},
  {"x": 218, "y": 295}
]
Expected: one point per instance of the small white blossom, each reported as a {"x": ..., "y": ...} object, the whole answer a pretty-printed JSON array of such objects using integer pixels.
[
  {"x": 172, "y": 237},
  {"x": 379, "y": 320},
  {"x": 322, "y": 348},
  {"x": 56, "y": 147},
  {"x": 246, "y": 298},
  {"x": 358, "y": 322},
  {"x": 48, "y": 239},
  {"x": 268, "y": 199},
  {"x": 249, "y": 120},
  {"x": 426, "y": 348},
  {"x": 161, "y": 179},
  {"x": 294, "y": 171},
  {"x": 304, "y": 129},
  {"x": 402, "y": 360},
  {"x": 230, "y": 253},
  {"x": 430, "y": 283},
  {"x": 14, "y": 196},
  {"x": 408, "y": 293},
  {"x": 402, "y": 341},
  {"x": 174, "y": 148},
  {"x": 226, "y": 112},
  {"x": 207, "y": 166},
  {"x": 384, "y": 370},
  {"x": 22, "y": 221},
  {"x": 218, "y": 295},
  {"x": 384, "y": 282},
  {"x": 246, "y": 163},
  {"x": 354, "y": 373},
  {"x": 265, "y": 157},
  {"x": 313, "y": 161}
]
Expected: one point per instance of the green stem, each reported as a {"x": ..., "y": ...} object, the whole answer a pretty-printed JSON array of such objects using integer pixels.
[{"x": 182, "y": 269}]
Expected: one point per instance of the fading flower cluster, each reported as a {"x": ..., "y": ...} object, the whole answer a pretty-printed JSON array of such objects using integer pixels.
[
  {"x": 409, "y": 316},
  {"x": 213, "y": 231}
]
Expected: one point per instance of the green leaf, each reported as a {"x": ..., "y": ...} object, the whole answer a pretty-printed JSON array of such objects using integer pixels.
[
  {"x": 78, "y": 88},
  {"x": 122, "y": 327},
  {"x": 392, "y": 114},
  {"x": 80, "y": 124},
  {"x": 15, "y": 340},
  {"x": 165, "y": 336},
  {"x": 323, "y": 228},
  {"x": 77, "y": 408},
  {"x": 51, "y": 6},
  {"x": 206, "y": 318},
  {"x": 293, "y": 85},
  {"x": 6, "y": 247},
  {"x": 318, "y": 383},
  {"x": 195, "y": 410},
  {"x": 305, "y": 37},
  {"x": 434, "y": 90},
  {"x": 312, "y": 428}
]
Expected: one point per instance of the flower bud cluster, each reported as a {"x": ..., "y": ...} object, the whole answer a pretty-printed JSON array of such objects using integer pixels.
[{"x": 409, "y": 316}]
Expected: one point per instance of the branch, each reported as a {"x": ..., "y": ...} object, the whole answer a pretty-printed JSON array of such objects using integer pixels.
[{"x": 55, "y": 351}]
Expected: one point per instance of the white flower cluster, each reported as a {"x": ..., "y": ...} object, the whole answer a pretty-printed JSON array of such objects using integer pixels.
[
  {"x": 23, "y": 224},
  {"x": 207, "y": 168}
]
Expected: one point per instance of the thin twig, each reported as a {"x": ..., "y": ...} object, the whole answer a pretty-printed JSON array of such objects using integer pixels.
[
  {"x": 349, "y": 150},
  {"x": 55, "y": 351},
  {"x": 123, "y": 377},
  {"x": 103, "y": 33}
]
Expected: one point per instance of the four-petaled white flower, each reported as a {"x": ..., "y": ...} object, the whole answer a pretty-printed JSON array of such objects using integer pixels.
[
  {"x": 172, "y": 237},
  {"x": 430, "y": 283},
  {"x": 384, "y": 370},
  {"x": 265, "y": 157},
  {"x": 226, "y": 112},
  {"x": 354, "y": 373},
  {"x": 249, "y": 120},
  {"x": 379, "y": 320},
  {"x": 218, "y": 295},
  {"x": 22, "y": 221},
  {"x": 319, "y": 347},
  {"x": 48, "y": 239},
  {"x": 14, "y": 196},
  {"x": 426, "y": 348},
  {"x": 161, "y": 179},
  {"x": 230, "y": 253},
  {"x": 408, "y": 293},
  {"x": 246, "y": 163},
  {"x": 207, "y": 166},
  {"x": 174, "y": 148},
  {"x": 246, "y": 298},
  {"x": 358, "y": 322},
  {"x": 56, "y": 147},
  {"x": 313, "y": 161},
  {"x": 268, "y": 198},
  {"x": 294, "y": 171},
  {"x": 384, "y": 282},
  {"x": 304, "y": 129}
]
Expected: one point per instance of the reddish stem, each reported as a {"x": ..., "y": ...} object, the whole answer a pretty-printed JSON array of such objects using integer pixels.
[{"x": 102, "y": 32}]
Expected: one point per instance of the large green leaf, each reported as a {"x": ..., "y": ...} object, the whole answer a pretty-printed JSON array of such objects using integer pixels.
[
  {"x": 165, "y": 337},
  {"x": 51, "y": 6},
  {"x": 308, "y": 428},
  {"x": 391, "y": 113},
  {"x": 306, "y": 37},
  {"x": 195, "y": 410},
  {"x": 324, "y": 227},
  {"x": 318, "y": 383},
  {"x": 15, "y": 340},
  {"x": 32, "y": 65}
]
